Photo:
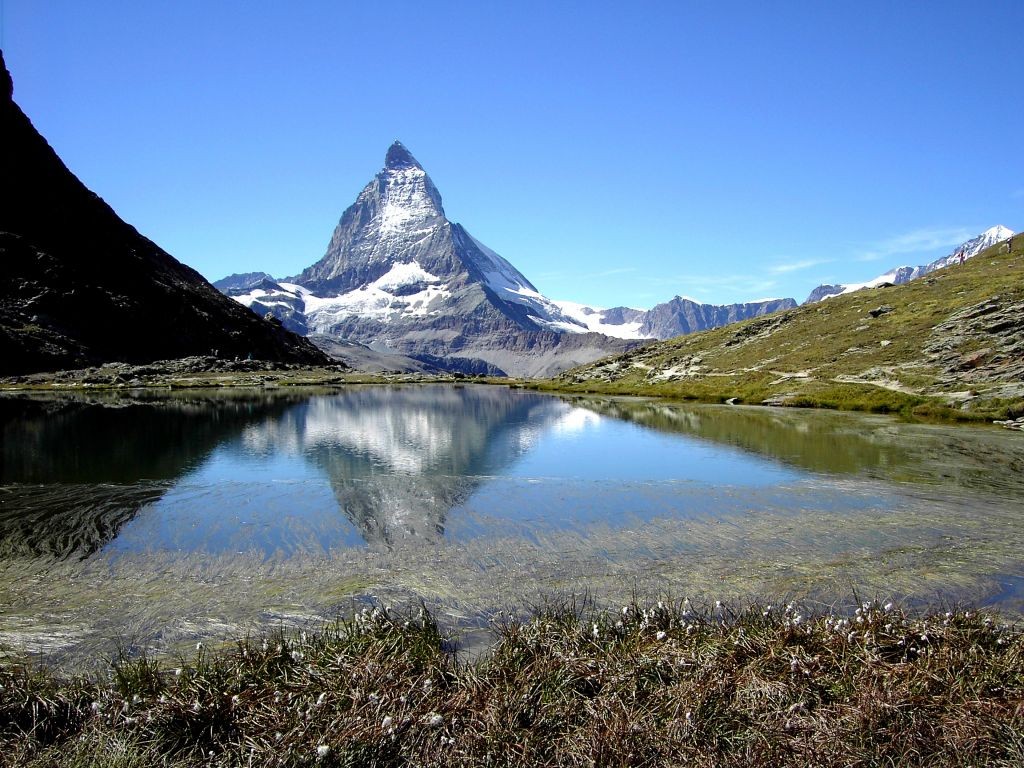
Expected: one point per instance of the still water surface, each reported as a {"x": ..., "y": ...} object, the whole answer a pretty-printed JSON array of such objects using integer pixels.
[{"x": 509, "y": 491}]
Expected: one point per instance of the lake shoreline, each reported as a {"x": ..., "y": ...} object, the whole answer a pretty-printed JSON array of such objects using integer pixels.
[{"x": 210, "y": 372}]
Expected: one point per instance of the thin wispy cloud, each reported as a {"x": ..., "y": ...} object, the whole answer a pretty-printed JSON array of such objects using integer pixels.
[
  {"x": 917, "y": 241},
  {"x": 796, "y": 266}
]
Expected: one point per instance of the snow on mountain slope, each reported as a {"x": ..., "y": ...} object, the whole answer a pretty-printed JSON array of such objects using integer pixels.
[
  {"x": 903, "y": 274},
  {"x": 398, "y": 274},
  {"x": 596, "y": 320}
]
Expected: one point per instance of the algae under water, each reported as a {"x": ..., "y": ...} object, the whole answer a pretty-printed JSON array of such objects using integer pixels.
[{"x": 155, "y": 519}]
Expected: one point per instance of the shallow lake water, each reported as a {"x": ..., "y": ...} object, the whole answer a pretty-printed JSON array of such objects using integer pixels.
[{"x": 155, "y": 518}]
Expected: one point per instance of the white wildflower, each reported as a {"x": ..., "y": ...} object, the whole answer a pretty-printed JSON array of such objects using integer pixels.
[
  {"x": 387, "y": 721},
  {"x": 595, "y": 632},
  {"x": 434, "y": 720},
  {"x": 322, "y": 751},
  {"x": 660, "y": 636}
]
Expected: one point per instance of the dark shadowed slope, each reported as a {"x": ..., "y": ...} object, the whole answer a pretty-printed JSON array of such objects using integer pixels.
[{"x": 80, "y": 286}]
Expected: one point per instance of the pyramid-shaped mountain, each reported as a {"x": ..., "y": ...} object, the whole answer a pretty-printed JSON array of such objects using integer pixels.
[
  {"x": 79, "y": 286},
  {"x": 399, "y": 276}
]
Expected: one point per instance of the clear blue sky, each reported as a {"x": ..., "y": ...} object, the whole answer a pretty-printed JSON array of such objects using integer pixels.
[{"x": 616, "y": 153}]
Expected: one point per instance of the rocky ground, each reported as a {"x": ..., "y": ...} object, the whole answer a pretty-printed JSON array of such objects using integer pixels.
[{"x": 206, "y": 371}]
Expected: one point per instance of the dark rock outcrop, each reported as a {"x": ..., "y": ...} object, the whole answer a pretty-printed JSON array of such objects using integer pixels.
[{"x": 79, "y": 286}]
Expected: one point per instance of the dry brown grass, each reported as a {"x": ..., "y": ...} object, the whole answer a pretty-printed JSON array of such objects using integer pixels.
[{"x": 664, "y": 684}]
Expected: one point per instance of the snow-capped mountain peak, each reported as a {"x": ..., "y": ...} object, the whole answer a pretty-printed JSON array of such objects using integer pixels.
[
  {"x": 398, "y": 275},
  {"x": 399, "y": 158},
  {"x": 904, "y": 274}
]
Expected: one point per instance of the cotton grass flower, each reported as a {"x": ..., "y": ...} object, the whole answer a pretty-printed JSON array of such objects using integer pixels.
[{"x": 322, "y": 751}]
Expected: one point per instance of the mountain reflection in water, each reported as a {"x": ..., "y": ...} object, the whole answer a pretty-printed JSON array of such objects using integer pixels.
[
  {"x": 314, "y": 470},
  {"x": 77, "y": 470}
]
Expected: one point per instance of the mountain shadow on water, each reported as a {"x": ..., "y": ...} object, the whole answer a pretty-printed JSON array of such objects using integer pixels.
[{"x": 75, "y": 471}]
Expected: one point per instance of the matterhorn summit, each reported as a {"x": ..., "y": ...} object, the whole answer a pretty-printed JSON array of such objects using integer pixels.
[{"x": 399, "y": 277}]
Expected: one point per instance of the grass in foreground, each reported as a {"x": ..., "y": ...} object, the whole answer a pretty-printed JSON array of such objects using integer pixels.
[{"x": 655, "y": 685}]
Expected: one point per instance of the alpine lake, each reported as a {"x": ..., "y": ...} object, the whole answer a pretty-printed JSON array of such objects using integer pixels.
[{"x": 158, "y": 519}]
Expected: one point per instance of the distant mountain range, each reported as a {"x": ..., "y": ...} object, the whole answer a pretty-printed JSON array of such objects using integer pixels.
[
  {"x": 904, "y": 274},
  {"x": 953, "y": 340},
  {"x": 399, "y": 277},
  {"x": 79, "y": 286}
]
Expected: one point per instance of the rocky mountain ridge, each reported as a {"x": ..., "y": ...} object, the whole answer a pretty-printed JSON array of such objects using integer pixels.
[
  {"x": 904, "y": 274},
  {"x": 79, "y": 286}
]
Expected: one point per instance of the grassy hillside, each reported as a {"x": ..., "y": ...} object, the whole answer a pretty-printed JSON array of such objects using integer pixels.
[{"x": 949, "y": 344}]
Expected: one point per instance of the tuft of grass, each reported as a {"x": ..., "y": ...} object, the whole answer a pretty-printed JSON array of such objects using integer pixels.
[{"x": 649, "y": 684}]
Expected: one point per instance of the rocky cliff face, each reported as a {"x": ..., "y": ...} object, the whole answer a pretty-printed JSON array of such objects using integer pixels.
[
  {"x": 79, "y": 286},
  {"x": 681, "y": 315}
]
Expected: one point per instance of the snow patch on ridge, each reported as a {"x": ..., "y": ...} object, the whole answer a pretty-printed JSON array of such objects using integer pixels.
[
  {"x": 374, "y": 300},
  {"x": 407, "y": 199},
  {"x": 592, "y": 318}
]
